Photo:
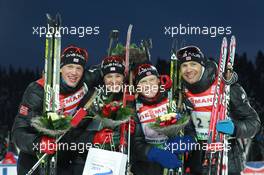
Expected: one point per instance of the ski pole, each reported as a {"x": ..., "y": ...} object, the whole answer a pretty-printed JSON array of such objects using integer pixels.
[{"x": 43, "y": 157}]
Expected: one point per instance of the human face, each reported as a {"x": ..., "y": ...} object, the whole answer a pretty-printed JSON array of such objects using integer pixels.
[
  {"x": 72, "y": 74},
  {"x": 113, "y": 82},
  {"x": 191, "y": 71},
  {"x": 149, "y": 86}
]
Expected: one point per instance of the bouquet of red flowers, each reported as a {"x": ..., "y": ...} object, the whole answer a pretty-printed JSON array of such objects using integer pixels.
[
  {"x": 113, "y": 114},
  {"x": 170, "y": 124}
]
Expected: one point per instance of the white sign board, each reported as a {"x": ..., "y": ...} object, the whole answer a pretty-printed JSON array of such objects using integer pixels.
[
  {"x": 8, "y": 169},
  {"x": 105, "y": 162}
]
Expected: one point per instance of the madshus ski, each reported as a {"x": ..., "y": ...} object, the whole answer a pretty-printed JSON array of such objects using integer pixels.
[{"x": 216, "y": 155}]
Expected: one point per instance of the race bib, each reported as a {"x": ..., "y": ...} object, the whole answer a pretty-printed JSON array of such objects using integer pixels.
[
  {"x": 148, "y": 115},
  {"x": 201, "y": 121}
]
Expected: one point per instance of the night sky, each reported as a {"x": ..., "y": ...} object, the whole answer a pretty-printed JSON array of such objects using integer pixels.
[{"x": 21, "y": 48}]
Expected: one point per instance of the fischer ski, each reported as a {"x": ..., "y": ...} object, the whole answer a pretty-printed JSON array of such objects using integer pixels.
[
  {"x": 51, "y": 101},
  {"x": 56, "y": 82}
]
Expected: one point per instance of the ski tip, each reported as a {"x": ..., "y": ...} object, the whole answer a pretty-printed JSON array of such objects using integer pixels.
[
  {"x": 53, "y": 21},
  {"x": 233, "y": 41},
  {"x": 130, "y": 26},
  {"x": 146, "y": 43},
  {"x": 49, "y": 17},
  {"x": 50, "y": 20},
  {"x": 174, "y": 45},
  {"x": 150, "y": 43},
  {"x": 224, "y": 42},
  {"x": 58, "y": 19},
  {"x": 114, "y": 34}
]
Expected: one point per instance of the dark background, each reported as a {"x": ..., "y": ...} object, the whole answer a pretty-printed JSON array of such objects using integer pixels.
[{"x": 22, "y": 52}]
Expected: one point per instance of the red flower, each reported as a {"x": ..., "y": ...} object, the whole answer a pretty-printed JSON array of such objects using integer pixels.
[
  {"x": 166, "y": 81},
  {"x": 106, "y": 110},
  {"x": 115, "y": 106},
  {"x": 168, "y": 122},
  {"x": 162, "y": 124},
  {"x": 173, "y": 121}
]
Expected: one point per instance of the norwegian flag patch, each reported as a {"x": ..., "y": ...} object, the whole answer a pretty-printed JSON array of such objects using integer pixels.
[
  {"x": 112, "y": 68},
  {"x": 148, "y": 73},
  {"x": 23, "y": 110},
  {"x": 188, "y": 58}
]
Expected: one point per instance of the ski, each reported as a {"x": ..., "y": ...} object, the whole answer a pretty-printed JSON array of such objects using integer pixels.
[
  {"x": 51, "y": 102},
  {"x": 171, "y": 94},
  {"x": 56, "y": 81},
  {"x": 175, "y": 97},
  {"x": 147, "y": 45},
  {"x": 223, "y": 168},
  {"x": 113, "y": 37},
  {"x": 56, "y": 64},
  {"x": 216, "y": 156},
  {"x": 52, "y": 65},
  {"x": 173, "y": 75},
  {"x": 126, "y": 97},
  {"x": 48, "y": 67},
  {"x": 211, "y": 159},
  {"x": 129, "y": 31}
]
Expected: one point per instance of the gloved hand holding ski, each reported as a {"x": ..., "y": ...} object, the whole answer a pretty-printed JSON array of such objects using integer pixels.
[{"x": 225, "y": 126}]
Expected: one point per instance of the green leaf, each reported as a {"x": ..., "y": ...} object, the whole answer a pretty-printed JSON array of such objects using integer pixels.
[
  {"x": 120, "y": 49},
  {"x": 109, "y": 99},
  {"x": 124, "y": 113}
]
